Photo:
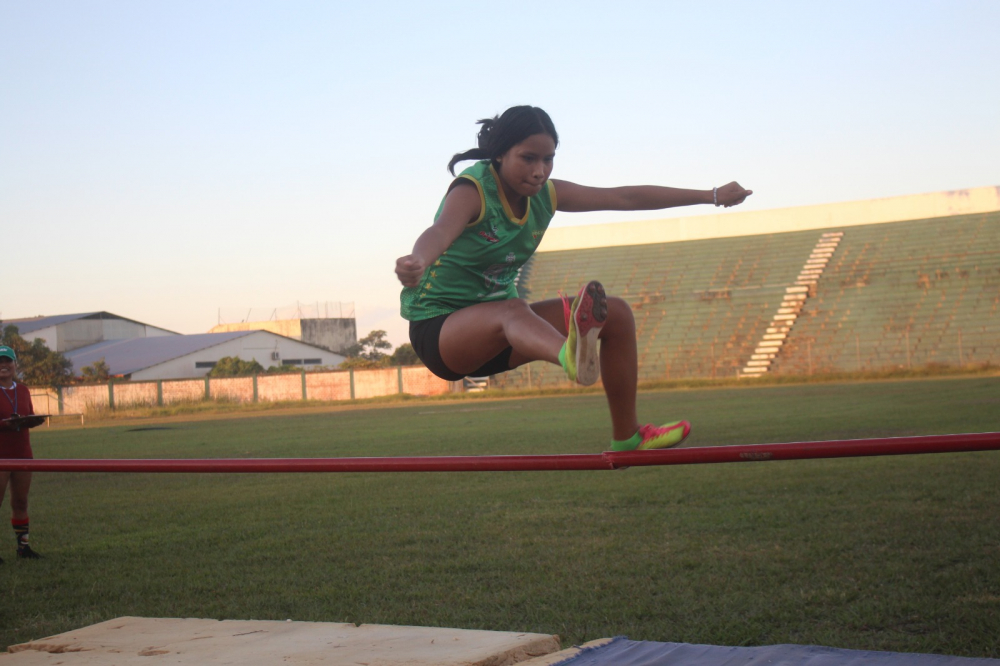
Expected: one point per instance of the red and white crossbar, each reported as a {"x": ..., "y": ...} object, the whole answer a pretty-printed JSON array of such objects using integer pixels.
[{"x": 847, "y": 448}]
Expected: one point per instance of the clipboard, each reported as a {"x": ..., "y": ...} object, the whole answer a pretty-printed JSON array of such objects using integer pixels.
[{"x": 32, "y": 421}]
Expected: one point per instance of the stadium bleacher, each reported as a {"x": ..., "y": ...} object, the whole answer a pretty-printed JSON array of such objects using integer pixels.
[
  {"x": 904, "y": 294},
  {"x": 892, "y": 294}
]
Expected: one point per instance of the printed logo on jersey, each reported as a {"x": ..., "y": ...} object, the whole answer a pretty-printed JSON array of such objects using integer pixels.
[
  {"x": 490, "y": 235},
  {"x": 498, "y": 277}
]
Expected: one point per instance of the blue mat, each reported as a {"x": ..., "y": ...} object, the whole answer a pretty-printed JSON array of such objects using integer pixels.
[{"x": 623, "y": 652}]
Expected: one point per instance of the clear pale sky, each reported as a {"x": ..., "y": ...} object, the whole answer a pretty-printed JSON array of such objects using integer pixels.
[{"x": 161, "y": 160}]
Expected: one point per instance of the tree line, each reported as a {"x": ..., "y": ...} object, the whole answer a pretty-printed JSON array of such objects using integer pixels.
[{"x": 40, "y": 366}]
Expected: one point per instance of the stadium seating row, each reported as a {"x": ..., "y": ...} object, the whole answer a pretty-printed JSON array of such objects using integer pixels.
[{"x": 891, "y": 295}]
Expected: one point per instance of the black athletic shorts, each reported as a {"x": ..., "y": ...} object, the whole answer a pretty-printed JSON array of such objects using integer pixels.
[{"x": 424, "y": 336}]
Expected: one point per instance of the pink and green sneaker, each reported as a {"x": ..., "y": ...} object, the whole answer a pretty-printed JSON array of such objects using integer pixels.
[
  {"x": 654, "y": 437},
  {"x": 584, "y": 319}
]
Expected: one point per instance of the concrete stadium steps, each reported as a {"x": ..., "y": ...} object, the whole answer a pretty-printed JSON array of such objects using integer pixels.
[
  {"x": 904, "y": 294},
  {"x": 690, "y": 299},
  {"x": 792, "y": 303}
]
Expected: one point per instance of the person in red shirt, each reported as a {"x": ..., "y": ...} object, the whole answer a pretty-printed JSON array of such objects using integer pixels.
[{"x": 15, "y": 443}]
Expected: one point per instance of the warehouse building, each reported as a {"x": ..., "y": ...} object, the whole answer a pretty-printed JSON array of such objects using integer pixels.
[
  {"x": 336, "y": 334},
  {"x": 64, "y": 333},
  {"x": 185, "y": 356}
]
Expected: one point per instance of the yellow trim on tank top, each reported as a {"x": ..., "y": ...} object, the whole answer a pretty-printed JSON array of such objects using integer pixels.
[
  {"x": 506, "y": 206},
  {"x": 482, "y": 198}
]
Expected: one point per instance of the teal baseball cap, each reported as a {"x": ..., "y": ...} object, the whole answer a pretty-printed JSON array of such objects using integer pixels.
[{"x": 8, "y": 352}]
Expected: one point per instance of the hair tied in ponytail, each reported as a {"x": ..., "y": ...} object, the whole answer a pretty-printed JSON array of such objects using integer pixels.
[
  {"x": 501, "y": 133},
  {"x": 484, "y": 131}
]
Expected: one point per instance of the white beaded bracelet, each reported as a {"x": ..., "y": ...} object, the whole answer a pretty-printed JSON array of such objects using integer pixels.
[{"x": 715, "y": 196}]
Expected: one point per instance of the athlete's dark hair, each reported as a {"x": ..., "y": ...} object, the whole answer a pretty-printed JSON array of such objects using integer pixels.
[{"x": 501, "y": 133}]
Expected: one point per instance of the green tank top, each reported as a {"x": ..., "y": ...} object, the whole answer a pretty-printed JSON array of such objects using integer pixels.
[{"x": 483, "y": 262}]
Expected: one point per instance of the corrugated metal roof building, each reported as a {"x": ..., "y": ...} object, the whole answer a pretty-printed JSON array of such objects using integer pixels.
[
  {"x": 63, "y": 333},
  {"x": 184, "y": 356}
]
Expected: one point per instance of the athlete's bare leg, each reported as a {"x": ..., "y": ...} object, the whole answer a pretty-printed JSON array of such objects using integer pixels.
[
  {"x": 619, "y": 360},
  {"x": 474, "y": 335}
]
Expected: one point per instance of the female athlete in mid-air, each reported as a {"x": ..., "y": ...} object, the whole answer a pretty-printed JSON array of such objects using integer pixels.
[{"x": 459, "y": 293}]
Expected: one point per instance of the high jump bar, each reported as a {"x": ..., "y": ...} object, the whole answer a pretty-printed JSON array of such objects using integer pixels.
[{"x": 608, "y": 460}]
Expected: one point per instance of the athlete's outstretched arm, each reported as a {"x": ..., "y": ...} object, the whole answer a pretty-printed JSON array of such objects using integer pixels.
[
  {"x": 573, "y": 198},
  {"x": 462, "y": 205}
]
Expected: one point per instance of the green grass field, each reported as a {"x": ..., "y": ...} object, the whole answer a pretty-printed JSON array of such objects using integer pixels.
[{"x": 892, "y": 553}]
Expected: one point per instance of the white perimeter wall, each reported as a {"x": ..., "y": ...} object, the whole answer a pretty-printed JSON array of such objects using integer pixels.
[
  {"x": 258, "y": 346},
  {"x": 728, "y": 224}
]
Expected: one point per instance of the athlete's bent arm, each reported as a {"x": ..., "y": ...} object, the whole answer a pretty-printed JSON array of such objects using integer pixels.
[
  {"x": 573, "y": 198},
  {"x": 461, "y": 206}
]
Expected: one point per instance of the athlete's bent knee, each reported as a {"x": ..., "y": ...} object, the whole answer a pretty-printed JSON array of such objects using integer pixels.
[
  {"x": 517, "y": 306},
  {"x": 620, "y": 313},
  {"x": 619, "y": 307}
]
